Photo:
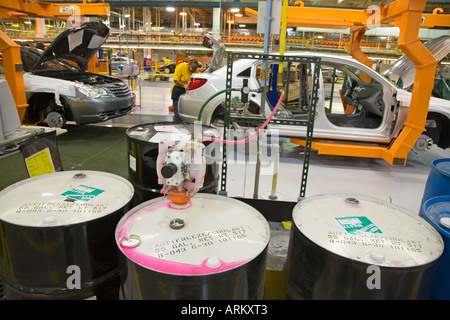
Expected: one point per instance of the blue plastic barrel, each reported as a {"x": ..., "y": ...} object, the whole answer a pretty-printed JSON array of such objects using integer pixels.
[
  {"x": 438, "y": 182},
  {"x": 436, "y": 211}
]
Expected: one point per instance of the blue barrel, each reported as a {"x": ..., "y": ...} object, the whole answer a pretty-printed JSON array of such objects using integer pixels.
[
  {"x": 438, "y": 182},
  {"x": 436, "y": 211}
]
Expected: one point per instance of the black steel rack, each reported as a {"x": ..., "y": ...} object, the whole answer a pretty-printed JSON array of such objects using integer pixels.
[{"x": 258, "y": 121}]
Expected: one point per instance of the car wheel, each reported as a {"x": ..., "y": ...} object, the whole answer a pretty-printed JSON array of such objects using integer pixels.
[
  {"x": 422, "y": 144},
  {"x": 217, "y": 119},
  {"x": 55, "y": 120}
]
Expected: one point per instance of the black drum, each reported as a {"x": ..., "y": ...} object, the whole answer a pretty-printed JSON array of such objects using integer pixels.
[
  {"x": 143, "y": 141},
  {"x": 195, "y": 252},
  {"x": 57, "y": 235},
  {"x": 356, "y": 247}
]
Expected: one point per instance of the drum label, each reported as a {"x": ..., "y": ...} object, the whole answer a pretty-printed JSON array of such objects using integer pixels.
[
  {"x": 82, "y": 192},
  {"x": 200, "y": 241},
  {"x": 357, "y": 225}
]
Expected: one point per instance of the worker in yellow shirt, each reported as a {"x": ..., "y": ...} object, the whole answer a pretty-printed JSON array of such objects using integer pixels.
[{"x": 181, "y": 77}]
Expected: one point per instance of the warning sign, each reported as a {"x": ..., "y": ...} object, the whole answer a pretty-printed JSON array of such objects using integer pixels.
[
  {"x": 40, "y": 163},
  {"x": 82, "y": 192},
  {"x": 357, "y": 225}
]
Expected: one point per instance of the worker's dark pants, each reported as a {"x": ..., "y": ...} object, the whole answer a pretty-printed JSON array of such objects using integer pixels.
[{"x": 176, "y": 93}]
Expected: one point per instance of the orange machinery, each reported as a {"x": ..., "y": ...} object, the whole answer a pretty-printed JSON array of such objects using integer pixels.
[
  {"x": 20, "y": 9},
  {"x": 409, "y": 17}
]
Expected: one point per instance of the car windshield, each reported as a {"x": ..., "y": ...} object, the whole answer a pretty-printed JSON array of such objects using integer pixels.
[
  {"x": 217, "y": 59},
  {"x": 31, "y": 56}
]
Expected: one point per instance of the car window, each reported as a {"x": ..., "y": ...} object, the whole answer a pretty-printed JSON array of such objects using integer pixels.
[
  {"x": 296, "y": 81},
  {"x": 245, "y": 73},
  {"x": 350, "y": 101},
  {"x": 217, "y": 60},
  {"x": 298, "y": 84}
]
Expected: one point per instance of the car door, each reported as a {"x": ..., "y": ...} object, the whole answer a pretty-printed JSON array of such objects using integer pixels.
[
  {"x": 354, "y": 103},
  {"x": 255, "y": 83},
  {"x": 358, "y": 103}
]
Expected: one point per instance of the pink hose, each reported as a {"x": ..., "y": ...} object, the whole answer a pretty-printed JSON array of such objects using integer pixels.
[{"x": 253, "y": 135}]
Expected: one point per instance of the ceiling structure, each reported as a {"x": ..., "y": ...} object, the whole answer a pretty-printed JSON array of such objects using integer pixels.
[{"x": 202, "y": 10}]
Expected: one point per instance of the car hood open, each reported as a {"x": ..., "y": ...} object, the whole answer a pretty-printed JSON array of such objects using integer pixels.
[
  {"x": 78, "y": 44},
  {"x": 404, "y": 67}
]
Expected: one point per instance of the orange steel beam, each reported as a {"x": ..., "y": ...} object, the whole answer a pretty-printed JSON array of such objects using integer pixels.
[
  {"x": 56, "y": 10},
  {"x": 357, "y": 33},
  {"x": 6, "y": 14},
  {"x": 344, "y": 149},
  {"x": 337, "y": 18},
  {"x": 299, "y": 16},
  {"x": 407, "y": 14},
  {"x": 13, "y": 72}
]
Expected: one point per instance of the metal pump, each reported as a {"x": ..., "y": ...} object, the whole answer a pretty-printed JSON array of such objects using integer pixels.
[{"x": 181, "y": 167}]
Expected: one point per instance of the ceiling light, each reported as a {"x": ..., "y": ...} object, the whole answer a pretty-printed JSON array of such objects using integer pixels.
[
  {"x": 183, "y": 13},
  {"x": 238, "y": 15},
  {"x": 127, "y": 15},
  {"x": 170, "y": 9},
  {"x": 234, "y": 10}
]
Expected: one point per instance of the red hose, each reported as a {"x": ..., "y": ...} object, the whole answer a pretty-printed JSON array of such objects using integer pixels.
[{"x": 254, "y": 134}]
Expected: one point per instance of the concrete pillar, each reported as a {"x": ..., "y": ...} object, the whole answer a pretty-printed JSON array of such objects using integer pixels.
[
  {"x": 40, "y": 28},
  {"x": 216, "y": 23}
]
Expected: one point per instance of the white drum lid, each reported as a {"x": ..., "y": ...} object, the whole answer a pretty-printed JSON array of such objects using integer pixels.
[
  {"x": 213, "y": 234},
  {"x": 368, "y": 230},
  {"x": 64, "y": 198}
]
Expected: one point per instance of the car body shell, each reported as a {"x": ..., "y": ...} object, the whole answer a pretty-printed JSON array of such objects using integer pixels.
[
  {"x": 55, "y": 80},
  {"x": 396, "y": 102},
  {"x": 84, "y": 109}
]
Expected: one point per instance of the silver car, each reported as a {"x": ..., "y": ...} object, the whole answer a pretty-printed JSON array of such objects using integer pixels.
[
  {"x": 348, "y": 108},
  {"x": 58, "y": 88}
]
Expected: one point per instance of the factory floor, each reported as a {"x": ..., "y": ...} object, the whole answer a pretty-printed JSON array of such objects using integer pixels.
[
  {"x": 103, "y": 147},
  {"x": 403, "y": 186}
]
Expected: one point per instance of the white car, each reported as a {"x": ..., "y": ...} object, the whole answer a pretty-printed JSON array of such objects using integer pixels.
[
  {"x": 348, "y": 108},
  {"x": 58, "y": 88}
]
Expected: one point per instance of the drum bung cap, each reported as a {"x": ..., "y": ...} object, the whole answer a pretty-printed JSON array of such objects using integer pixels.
[{"x": 445, "y": 222}]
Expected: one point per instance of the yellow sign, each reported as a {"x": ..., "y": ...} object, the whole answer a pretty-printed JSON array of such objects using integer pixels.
[
  {"x": 40, "y": 163},
  {"x": 287, "y": 224}
]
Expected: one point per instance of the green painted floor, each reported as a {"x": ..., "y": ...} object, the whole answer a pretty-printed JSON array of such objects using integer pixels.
[{"x": 85, "y": 147}]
